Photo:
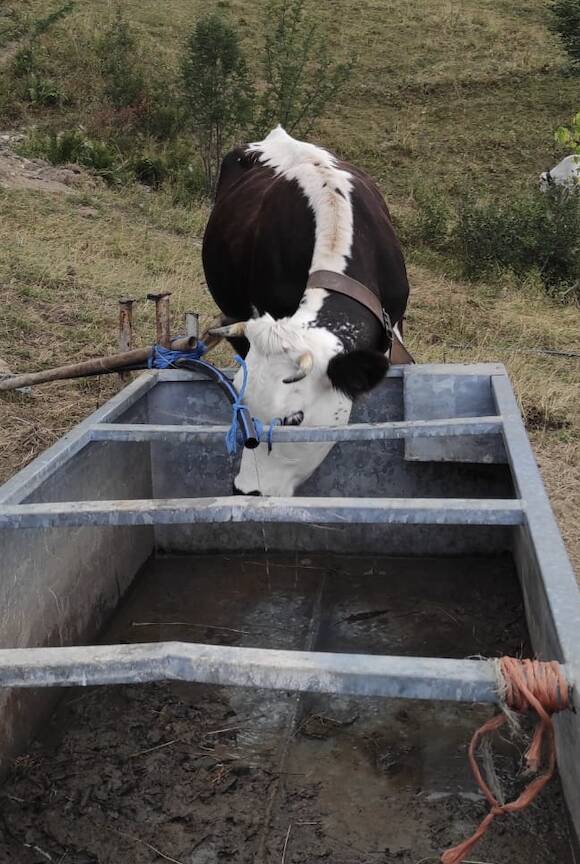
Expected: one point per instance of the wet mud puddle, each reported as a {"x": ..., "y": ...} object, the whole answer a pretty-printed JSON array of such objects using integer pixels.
[{"x": 200, "y": 774}]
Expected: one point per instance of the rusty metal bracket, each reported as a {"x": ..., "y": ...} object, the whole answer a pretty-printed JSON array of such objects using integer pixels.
[
  {"x": 162, "y": 318},
  {"x": 125, "y": 329}
]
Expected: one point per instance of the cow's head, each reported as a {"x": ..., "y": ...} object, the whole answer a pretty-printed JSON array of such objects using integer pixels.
[
  {"x": 299, "y": 373},
  {"x": 546, "y": 181}
]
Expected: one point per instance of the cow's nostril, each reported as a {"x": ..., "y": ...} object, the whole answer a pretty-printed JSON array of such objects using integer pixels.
[{"x": 237, "y": 491}]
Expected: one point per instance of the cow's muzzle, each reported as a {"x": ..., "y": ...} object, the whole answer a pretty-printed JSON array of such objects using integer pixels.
[{"x": 237, "y": 491}]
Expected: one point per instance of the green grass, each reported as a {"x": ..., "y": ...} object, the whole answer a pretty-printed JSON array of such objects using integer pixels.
[{"x": 464, "y": 93}]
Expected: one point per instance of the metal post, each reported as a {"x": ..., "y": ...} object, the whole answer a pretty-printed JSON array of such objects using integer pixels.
[
  {"x": 125, "y": 329},
  {"x": 162, "y": 318},
  {"x": 192, "y": 324}
]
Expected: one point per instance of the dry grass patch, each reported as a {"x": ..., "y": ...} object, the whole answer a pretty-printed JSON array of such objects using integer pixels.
[
  {"x": 457, "y": 322},
  {"x": 61, "y": 274}
]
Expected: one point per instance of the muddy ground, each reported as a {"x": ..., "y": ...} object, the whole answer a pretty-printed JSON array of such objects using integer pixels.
[{"x": 199, "y": 774}]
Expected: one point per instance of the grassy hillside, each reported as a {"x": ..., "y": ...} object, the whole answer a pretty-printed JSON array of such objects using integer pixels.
[{"x": 444, "y": 94}]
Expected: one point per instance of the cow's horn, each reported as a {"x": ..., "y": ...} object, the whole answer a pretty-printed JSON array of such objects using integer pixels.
[
  {"x": 305, "y": 364},
  {"x": 237, "y": 329}
]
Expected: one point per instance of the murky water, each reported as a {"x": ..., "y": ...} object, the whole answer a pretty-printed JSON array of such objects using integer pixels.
[{"x": 206, "y": 774}]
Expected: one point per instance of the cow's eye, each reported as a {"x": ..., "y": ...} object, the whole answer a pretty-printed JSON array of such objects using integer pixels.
[{"x": 293, "y": 419}]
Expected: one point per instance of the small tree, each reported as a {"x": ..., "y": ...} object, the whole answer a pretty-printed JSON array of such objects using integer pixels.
[
  {"x": 123, "y": 78},
  {"x": 566, "y": 23},
  {"x": 301, "y": 80},
  {"x": 217, "y": 91}
]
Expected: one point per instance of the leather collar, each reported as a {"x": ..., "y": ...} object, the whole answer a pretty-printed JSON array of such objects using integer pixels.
[{"x": 329, "y": 280}]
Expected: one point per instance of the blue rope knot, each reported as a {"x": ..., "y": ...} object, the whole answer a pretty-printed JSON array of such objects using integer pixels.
[
  {"x": 277, "y": 421},
  {"x": 232, "y": 438},
  {"x": 164, "y": 358},
  {"x": 237, "y": 408}
]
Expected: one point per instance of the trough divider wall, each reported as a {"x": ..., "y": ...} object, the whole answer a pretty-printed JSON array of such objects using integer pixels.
[
  {"x": 306, "y": 671},
  {"x": 285, "y": 434},
  {"x": 25, "y": 482}
]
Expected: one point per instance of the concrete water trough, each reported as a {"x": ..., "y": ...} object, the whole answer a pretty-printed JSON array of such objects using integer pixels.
[{"x": 336, "y": 640}]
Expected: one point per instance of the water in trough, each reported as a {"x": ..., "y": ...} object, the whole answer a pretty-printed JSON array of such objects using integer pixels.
[{"x": 200, "y": 774}]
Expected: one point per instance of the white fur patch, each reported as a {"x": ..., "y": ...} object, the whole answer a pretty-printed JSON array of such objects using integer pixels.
[
  {"x": 326, "y": 187},
  {"x": 275, "y": 347}
]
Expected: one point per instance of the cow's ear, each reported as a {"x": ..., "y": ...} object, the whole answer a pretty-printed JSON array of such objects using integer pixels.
[{"x": 357, "y": 372}]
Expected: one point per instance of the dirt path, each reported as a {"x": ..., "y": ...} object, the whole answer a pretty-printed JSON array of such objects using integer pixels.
[{"x": 18, "y": 172}]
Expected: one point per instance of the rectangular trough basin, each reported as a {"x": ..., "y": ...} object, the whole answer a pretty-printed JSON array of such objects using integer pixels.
[{"x": 235, "y": 678}]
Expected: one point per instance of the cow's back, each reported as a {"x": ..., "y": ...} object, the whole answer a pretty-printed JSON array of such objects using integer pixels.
[{"x": 259, "y": 241}]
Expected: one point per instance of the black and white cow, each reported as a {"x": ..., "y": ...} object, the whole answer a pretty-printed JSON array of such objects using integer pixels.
[
  {"x": 286, "y": 209},
  {"x": 566, "y": 174}
]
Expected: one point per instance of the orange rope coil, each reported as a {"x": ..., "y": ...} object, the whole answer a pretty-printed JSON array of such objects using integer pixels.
[{"x": 523, "y": 685}]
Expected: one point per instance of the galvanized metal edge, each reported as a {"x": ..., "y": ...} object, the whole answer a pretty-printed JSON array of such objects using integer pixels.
[
  {"x": 26, "y": 481},
  {"x": 562, "y": 593},
  {"x": 306, "y": 671},
  {"x": 30, "y": 478},
  {"x": 182, "y": 511},
  {"x": 284, "y": 434}
]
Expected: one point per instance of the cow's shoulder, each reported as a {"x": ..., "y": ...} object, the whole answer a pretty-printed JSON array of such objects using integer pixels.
[
  {"x": 234, "y": 166},
  {"x": 366, "y": 191}
]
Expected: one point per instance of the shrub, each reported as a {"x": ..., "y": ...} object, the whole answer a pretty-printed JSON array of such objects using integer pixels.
[
  {"x": 569, "y": 136},
  {"x": 24, "y": 62},
  {"x": 188, "y": 186},
  {"x": 30, "y": 83},
  {"x": 151, "y": 170},
  {"x": 566, "y": 23},
  {"x": 217, "y": 91},
  {"x": 73, "y": 146},
  {"x": 43, "y": 91},
  {"x": 164, "y": 115},
  {"x": 123, "y": 77},
  {"x": 537, "y": 230},
  {"x": 301, "y": 80}
]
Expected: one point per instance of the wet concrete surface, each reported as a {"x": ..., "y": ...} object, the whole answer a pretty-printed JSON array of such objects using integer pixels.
[{"x": 205, "y": 774}]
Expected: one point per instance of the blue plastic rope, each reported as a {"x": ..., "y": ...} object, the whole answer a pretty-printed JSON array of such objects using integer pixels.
[
  {"x": 164, "y": 358},
  {"x": 232, "y": 438},
  {"x": 237, "y": 406},
  {"x": 277, "y": 421}
]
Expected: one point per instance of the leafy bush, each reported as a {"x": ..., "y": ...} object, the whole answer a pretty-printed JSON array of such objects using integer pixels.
[
  {"x": 73, "y": 146},
  {"x": 569, "y": 136},
  {"x": 151, "y": 170},
  {"x": 537, "y": 230},
  {"x": 164, "y": 116},
  {"x": 43, "y": 91},
  {"x": 188, "y": 185},
  {"x": 217, "y": 91},
  {"x": 301, "y": 80},
  {"x": 566, "y": 23},
  {"x": 184, "y": 173}
]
